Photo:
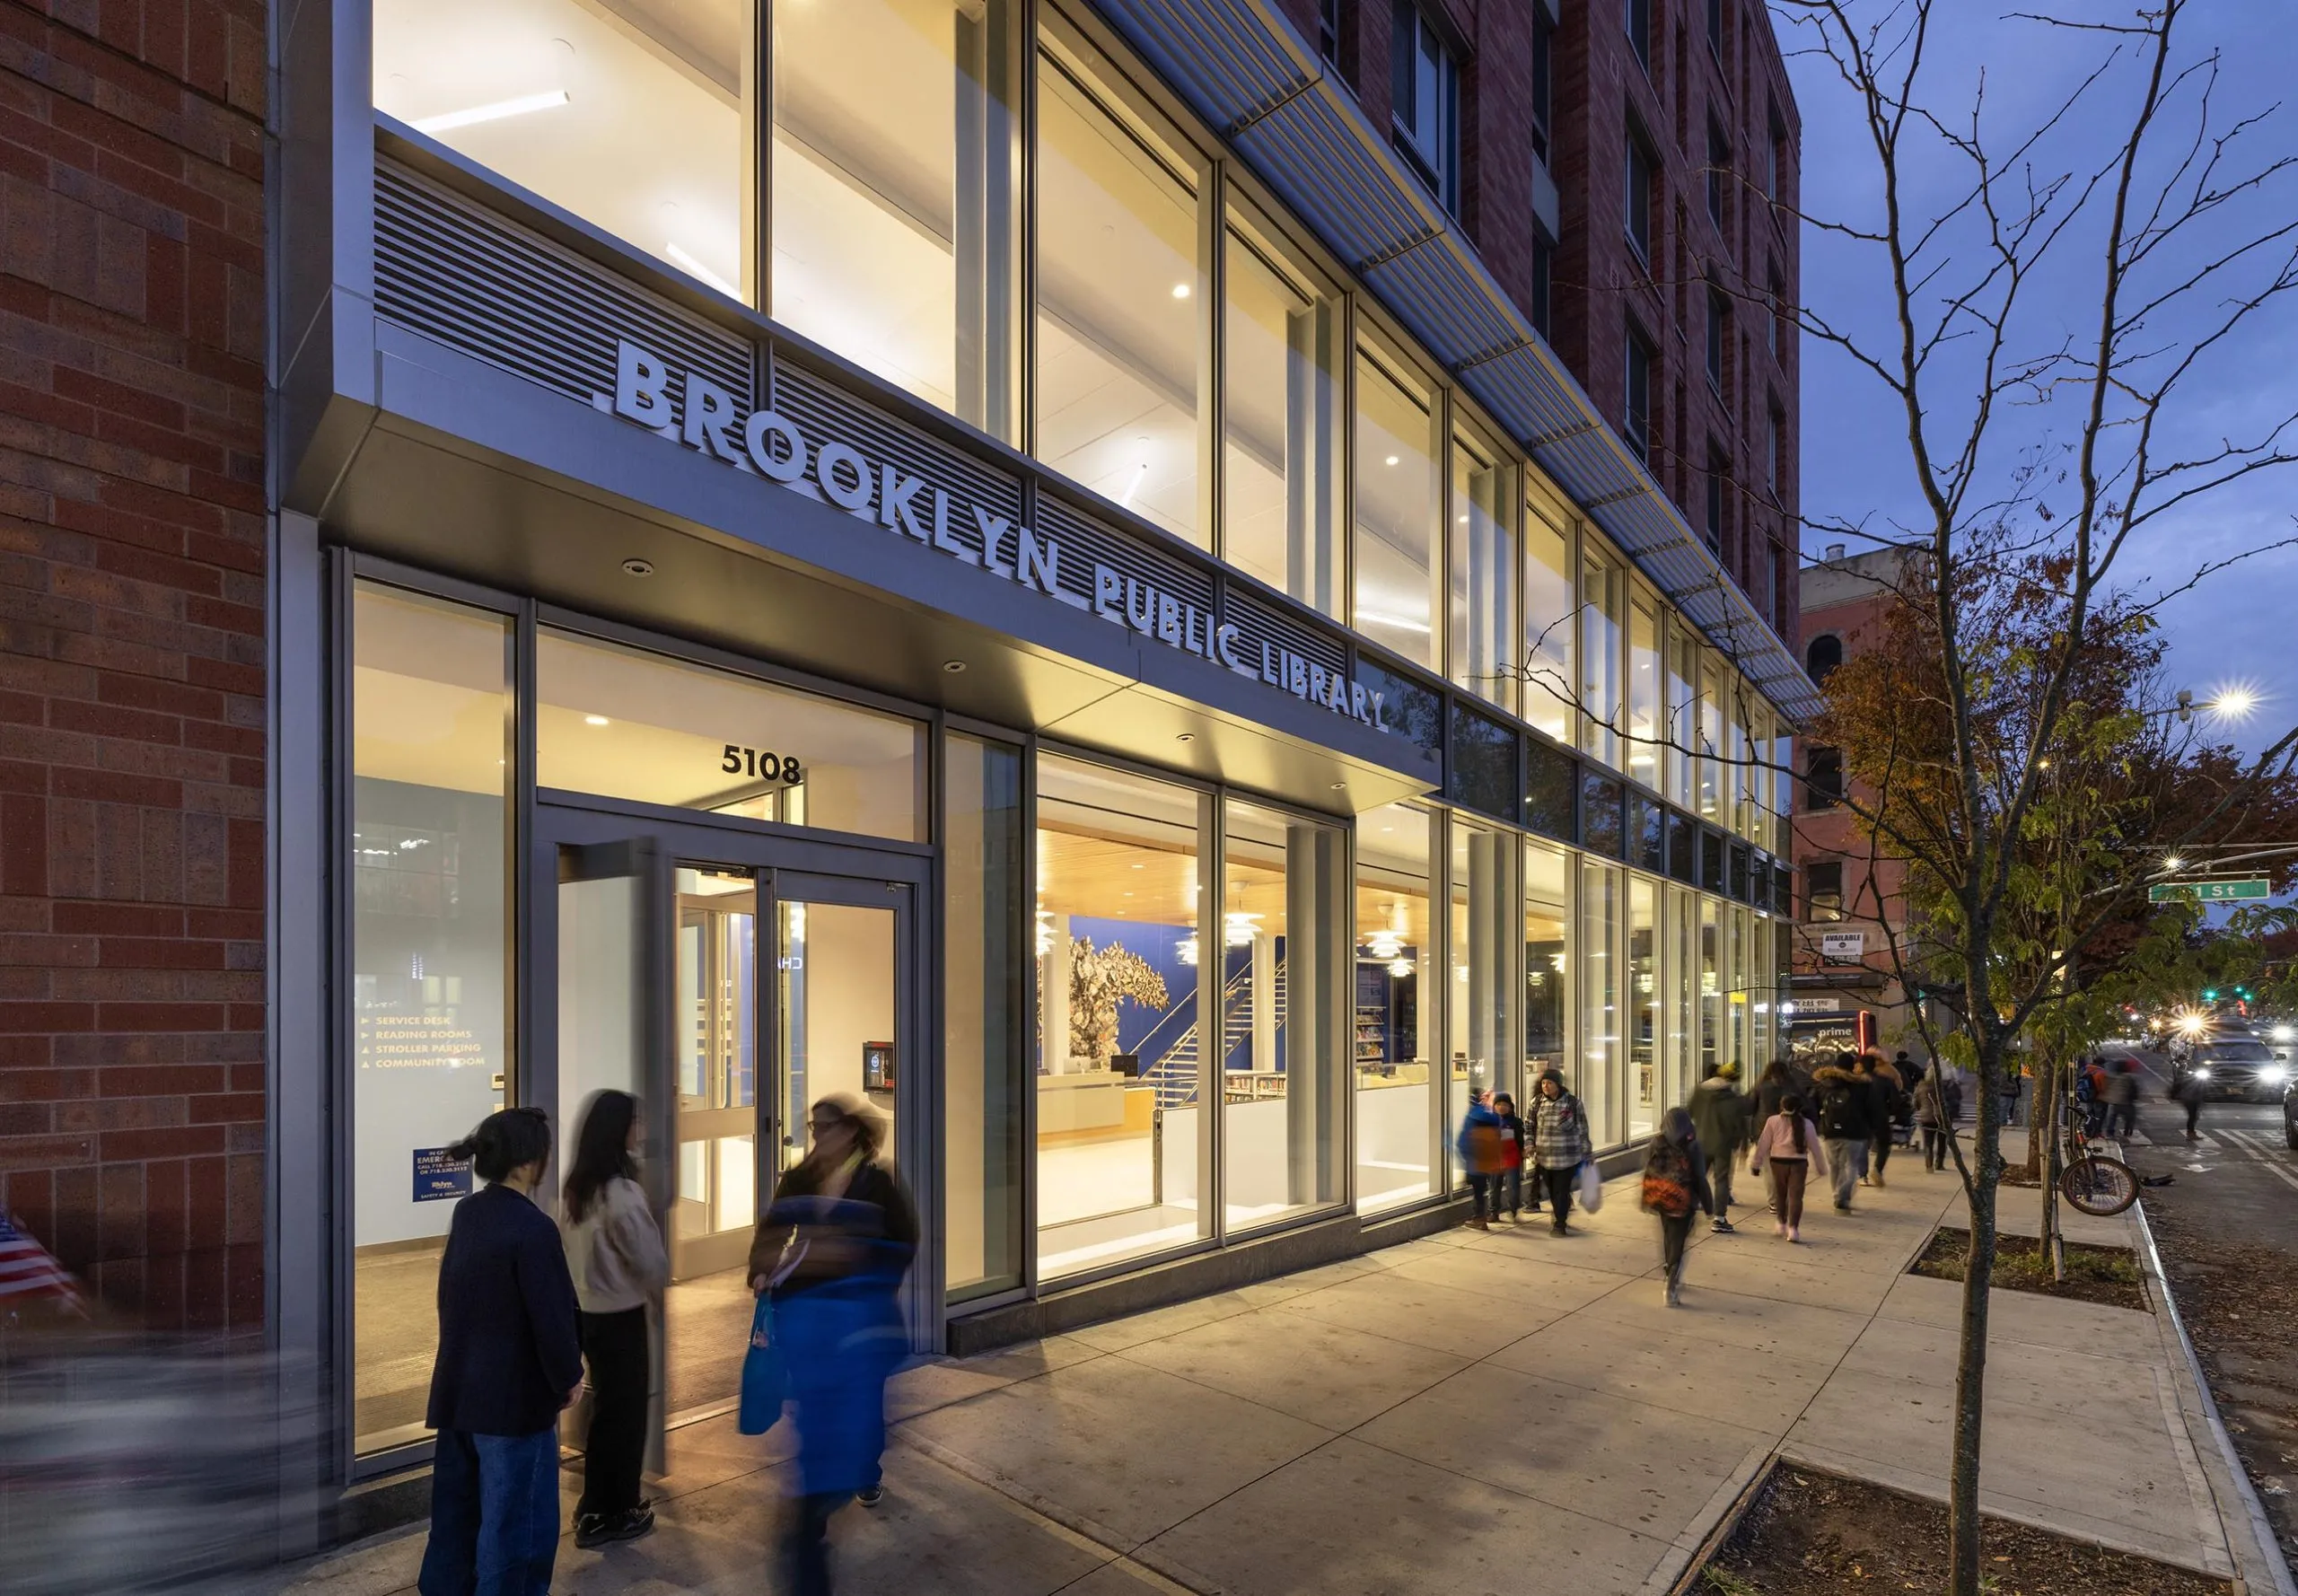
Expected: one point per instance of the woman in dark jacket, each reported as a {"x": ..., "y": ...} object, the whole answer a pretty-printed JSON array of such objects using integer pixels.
[
  {"x": 1675, "y": 1187},
  {"x": 509, "y": 1359},
  {"x": 1772, "y": 1087},
  {"x": 833, "y": 1249}
]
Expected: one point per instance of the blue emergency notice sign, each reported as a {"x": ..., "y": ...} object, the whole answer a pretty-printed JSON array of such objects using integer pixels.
[{"x": 440, "y": 1177}]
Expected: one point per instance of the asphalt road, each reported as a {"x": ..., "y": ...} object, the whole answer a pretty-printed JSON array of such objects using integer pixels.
[{"x": 2240, "y": 1179}]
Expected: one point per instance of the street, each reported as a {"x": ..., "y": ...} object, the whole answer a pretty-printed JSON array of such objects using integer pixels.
[{"x": 2227, "y": 1227}]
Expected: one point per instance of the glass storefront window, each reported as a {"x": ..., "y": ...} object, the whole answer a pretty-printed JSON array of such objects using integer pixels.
[
  {"x": 614, "y": 720},
  {"x": 984, "y": 1051},
  {"x": 1683, "y": 714},
  {"x": 1644, "y": 723},
  {"x": 1600, "y": 672},
  {"x": 1123, "y": 1080},
  {"x": 1601, "y": 1024},
  {"x": 1600, "y": 815},
  {"x": 1738, "y": 778},
  {"x": 895, "y": 190},
  {"x": 1281, "y": 419},
  {"x": 1281, "y": 996},
  {"x": 1547, "y": 967},
  {"x": 1394, "y": 1027},
  {"x": 1484, "y": 923},
  {"x": 1712, "y": 1048},
  {"x": 1482, "y": 773},
  {"x": 1483, "y": 575},
  {"x": 433, "y": 772},
  {"x": 1645, "y": 1003},
  {"x": 1551, "y": 790},
  {"x": 1120, "y": 295},
  {"x": 1548, "y": 613},
  {"x": 1397, "y": 571},
  {"x": 639, "y": 120},
  {"x": 1683, "y": 1014},
  {"x": 1710, "y": 744}
]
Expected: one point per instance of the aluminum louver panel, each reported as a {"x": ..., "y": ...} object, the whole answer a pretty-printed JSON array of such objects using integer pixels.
[
  {"x": 822, "y": 411},
  {"x": 1258, "y": 623},
  {"x": 454, "y": 272},
  {"x": 1086, "y": 541}
]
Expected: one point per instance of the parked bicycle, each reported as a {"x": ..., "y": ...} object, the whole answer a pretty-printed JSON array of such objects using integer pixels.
[{"x": 2096, "y": 1180}]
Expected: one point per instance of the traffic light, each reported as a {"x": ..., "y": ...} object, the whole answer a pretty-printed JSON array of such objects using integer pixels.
[{"x": 2210, "y": 994}]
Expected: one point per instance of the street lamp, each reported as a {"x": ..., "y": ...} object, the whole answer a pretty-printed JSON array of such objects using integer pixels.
[{"x": 2233, "y": 702}]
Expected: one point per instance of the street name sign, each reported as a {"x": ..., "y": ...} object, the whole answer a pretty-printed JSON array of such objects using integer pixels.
[{"x": 2248, "y": 891}]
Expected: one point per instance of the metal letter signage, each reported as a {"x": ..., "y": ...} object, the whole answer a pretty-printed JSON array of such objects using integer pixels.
[{"x": 703, "y": 417}]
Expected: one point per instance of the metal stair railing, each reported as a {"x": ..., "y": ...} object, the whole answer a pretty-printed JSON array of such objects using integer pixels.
[{"x": 1175, "y": 1075}]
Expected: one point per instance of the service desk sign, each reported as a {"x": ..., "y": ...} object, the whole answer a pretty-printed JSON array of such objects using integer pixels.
[
  {"x": 690, "y": 409},
  {"x": 1843, "y": 944}
]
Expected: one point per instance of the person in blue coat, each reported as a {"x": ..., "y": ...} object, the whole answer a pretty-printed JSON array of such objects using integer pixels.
[
  {"x": 832, "y": 1249},
  {"x": 1479, "y": 1147},
  {"x": 510, "y": 1360}
]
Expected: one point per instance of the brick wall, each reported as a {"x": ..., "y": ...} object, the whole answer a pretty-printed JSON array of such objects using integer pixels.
[{"x": 131, "y": 647}]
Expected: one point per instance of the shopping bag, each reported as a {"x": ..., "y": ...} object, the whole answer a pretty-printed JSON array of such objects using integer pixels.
[
  {"x": 763, "y": 1378},
  {"x": 1591, "y": 1186}
]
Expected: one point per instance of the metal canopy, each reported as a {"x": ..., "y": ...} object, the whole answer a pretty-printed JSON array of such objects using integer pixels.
[{"x": 1245, "y": 71}]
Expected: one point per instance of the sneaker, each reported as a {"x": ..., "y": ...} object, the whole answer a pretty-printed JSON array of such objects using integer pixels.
[
  {"x": 870, "y": 1496},
  {"x": 1778, "y": 1229},
  {"x": 1480, "y": 1224},
  {"x": 628, "y": 1526},
  {"x": 1795, "y": 1235},
  {"x": 1722, "y": 1227},
  {"x": 1843, "y": 1207},
  {"x": 590, "y": 1530}
]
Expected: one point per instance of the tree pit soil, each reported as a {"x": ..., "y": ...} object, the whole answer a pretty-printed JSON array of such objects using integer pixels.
[
  {"x": 1808, "y": 1533},
  {"x": 2108, "y": 1276}
]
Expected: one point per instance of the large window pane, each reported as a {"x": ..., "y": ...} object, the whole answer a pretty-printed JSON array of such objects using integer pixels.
[
  {"x": 1709, "y": 740},
  {"x": 983, "y": 1016},
  {"x": 1683, "y": 714},
  {"x": 614, "y": 720},
  {"x": 432, "y": 775},
  {"x": 1124, "y": 1137},
  {"x": 1281, "y": 996},
  {"x": 1484, "y": 923},
  {"x": 1394, "y": 1024},
  {"x": 1683, "y": 1003},
  {"x": 1712, "y": 1052},
  {"x": 635, "y": 117},
  {"x": 1644, "y": 1007},
  {"x": 1600, "y": 672},
  {"x": 1547, "y": 969},
  {"x": 894, "y": 191},
  {"x": 1119, "y": 298},
  {"x": 1547, "y": 626},
  {"x": 1399, "y": 496},
  {"x": 1601, "y": 1022},
  {"x": 1644, "y": 669},
  {"x": 1281, "y": 424},
  {"x": 1483, "y": 575}
]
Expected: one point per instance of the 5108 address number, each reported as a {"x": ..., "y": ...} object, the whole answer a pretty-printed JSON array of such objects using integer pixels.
[{"x": 763, "y": 763}]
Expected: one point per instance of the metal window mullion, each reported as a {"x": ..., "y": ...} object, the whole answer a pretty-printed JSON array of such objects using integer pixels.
[{"x": 1212, "y": 1024}]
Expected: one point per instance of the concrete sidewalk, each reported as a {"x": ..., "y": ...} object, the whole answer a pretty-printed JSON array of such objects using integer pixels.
[{"x": 1498, "y": 1412}]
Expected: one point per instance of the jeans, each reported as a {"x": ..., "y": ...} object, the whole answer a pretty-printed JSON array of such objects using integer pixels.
[
  {"x": 1508, "y": 1191},
  {"x": 1883, "y": 1145},
  {"x": 2094, "y": 1118},
  {"x": 1719, "y": 1185},
  {"x": 1846, "y": 1161},
  {"x": 1934, "y": 1147},
  {"x": 615, "y": 1344},
  {"x": 2194, "y": 1113},
  {"x": 1560, "y": 1183},
  {"x": 494, "y": 1515},
  {"x": 2125, "y": 1114},
  {"x": 1673, "y": 1233},
  {"x": 1484, "y": 1190},
  {"x": 1787, "y": 1176},
  {"x": 805, "y": 1544}
]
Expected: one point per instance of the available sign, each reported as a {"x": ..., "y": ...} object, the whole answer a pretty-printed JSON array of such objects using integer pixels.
[
  {"x": 2250, "y": 891},
  {"x": 1843, "y": 944},
  {"x": 703, "y": 417}
]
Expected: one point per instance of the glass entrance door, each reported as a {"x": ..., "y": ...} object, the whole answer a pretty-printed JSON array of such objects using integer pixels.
[
  {"x": 837, "y": 967},
  {"x": 715, "y": 1015}
]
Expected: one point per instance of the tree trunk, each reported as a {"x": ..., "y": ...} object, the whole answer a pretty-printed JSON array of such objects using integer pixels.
[
  {"x": 1970, "y": 1372},
  {"x": 2054, "y": 1240},
  {"x": 2033, "y": 1168}
]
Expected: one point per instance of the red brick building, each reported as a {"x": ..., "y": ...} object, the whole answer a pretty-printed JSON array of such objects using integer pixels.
[{"x": 132, "y": 671}]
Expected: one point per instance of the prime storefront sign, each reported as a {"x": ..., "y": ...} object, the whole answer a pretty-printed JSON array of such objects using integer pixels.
[{"x": 690, "y": 409}]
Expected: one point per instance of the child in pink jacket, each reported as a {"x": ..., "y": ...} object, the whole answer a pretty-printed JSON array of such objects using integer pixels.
[{"x": 1788, "y": 1148}]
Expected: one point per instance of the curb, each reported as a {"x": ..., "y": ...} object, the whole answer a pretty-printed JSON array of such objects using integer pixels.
[{"x": 2264, "y": 1550}]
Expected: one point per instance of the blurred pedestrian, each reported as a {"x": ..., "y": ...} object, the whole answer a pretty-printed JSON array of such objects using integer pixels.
[
  {"x": 1771, "y": 1086},
  {"x": 1887, "y": 1101},
  {"x": 1787, "y": 1148},
  {"x": 2188, "y": 1092},
  {"x": 2122, "y": 1097},
  {"x": 1719, "y": 1118},
  {"x": 1508, "y": 1186},
  {"x": 2089, "y": 1094},
  {"x": 510, "y": 1359},
  {"x": 1560, "y": 1144},
  {"x": 1931, "y": 1117},
  {"x": 832, "y": 1249},
  {"x": 1675, "y": 1188},
  {"x": 615, "y": 1253},
  {"x": 1478, "y": 1145},
  {"x": 1846, "y": 1118}
]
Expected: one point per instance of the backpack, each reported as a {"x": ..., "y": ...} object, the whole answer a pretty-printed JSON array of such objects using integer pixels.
[
  {"x": 1667, "y": 1180},
  {"x": 1840, "y": 1112}
]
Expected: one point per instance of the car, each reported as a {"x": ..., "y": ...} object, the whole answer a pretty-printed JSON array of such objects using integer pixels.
[
  {"x": 2290, "y": 1115},
  {"x": 2239, "y": 1066}
]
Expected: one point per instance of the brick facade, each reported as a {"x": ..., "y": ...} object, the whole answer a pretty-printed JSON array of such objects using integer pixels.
[{"x": 132, "y": 613}]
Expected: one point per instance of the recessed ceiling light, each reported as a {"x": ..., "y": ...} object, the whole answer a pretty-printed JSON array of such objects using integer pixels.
[
  {"x": 953, "y": 666},
  {"x": 638, "y": 567},
  {"x": 1185, "y": 737},
  {"x": 493, "y": 111},
  {"x": 1181, "y": 291},
  {"x": 596, "y": 720},
  {"x": 1392, "y": 460},
  {"x": 1340, "y": 787}
]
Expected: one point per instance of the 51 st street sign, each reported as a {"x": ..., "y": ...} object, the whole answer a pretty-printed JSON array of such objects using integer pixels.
[{"x": 2249, "y": 891}]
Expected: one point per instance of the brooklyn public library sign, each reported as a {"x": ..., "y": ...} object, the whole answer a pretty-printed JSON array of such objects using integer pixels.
[{"x": 705, "y": 417}]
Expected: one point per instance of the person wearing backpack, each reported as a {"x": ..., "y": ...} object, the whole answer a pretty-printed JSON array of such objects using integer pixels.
[
  {"x": 1886, "y": 1105},
  {"x": 1478, "y": 1145},
  {"x": 1846, "y": 1118},
  {"x": 1675, "y": 1187},
  {"x": 1719, "y": 1117}
]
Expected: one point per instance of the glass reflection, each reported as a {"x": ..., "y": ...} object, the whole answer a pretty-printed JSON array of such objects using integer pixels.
[
  {"x": 1394, "y": 1032},
  {"x": 1398, "y": 495},
  {"x": 1281, "y": 424}
]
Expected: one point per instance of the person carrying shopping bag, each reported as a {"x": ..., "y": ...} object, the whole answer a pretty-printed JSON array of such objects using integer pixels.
[
  {"x": 1560, "y": 1144},
  {"x": 1787, "y": 1147},
  {"x": 615, "y": 1253},
  {"x": 1675, "y": 1188}
]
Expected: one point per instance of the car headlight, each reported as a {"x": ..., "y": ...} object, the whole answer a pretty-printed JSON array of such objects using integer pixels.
[
  {"x": 2272, "y": 1074},
  {"x": 2285, "y": 1033},
  {"x": 2202, "y": 1075}
]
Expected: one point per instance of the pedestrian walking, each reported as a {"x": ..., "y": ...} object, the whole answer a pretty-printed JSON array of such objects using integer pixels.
[
  {"x": 1931, "y": 1117},
  {"x": 1787, "y": 1148},
  {"x": 510, "y": 1359},
  {"x": 1675, "y": 1188},
  {"x": 2122, "y": 1097},
  {"x": 1721, "y": 1120},
  {"x": 1846, "y": 1118},
  {"x": 1772, "y": 1088},
  {"x": 1887, "y": 1101},
  {"x": 832, "y": 1249},
  {"x": 2012, "y": 1083},
  {"x": 1508, "y": 1186},
  {"x": 2089, "y": 1094},
  {"x": 2188, "y": 1093},
  {"x": 615, "y": 1254},
  {"x": 1478, "y": 1145},
  {"x": 1560, "y": 1144}
]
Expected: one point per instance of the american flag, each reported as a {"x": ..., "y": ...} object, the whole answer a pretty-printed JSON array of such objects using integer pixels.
[{"x": 27, "y": 1270}]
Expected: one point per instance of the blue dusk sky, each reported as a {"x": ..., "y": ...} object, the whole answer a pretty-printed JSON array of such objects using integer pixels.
[{"x": 2237, "y": 625}]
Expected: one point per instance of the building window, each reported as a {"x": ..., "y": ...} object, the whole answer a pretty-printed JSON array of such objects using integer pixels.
[
  {"x": 1823, "y": 889},
  {"x": 1823, "y": 657},
  {"x": 1715, "y": 28},
  {"x": 1601, "y": 619},
  {"x": 1641, "y": 182},
  {"x": 1638, "y": 15},
  {"x": 1329, "y": 30},
  {"x": 1775, "y": 163},
  {"x": 1719, "y": 326},
  {"x": 1542, "y": 285},
  {"x": 1775, "y": 593},
  {"x": 1778, "y": 297},
  {"x": 1637, "y": 418},
  {"x": 1484, "y": 572},
  {"x": 1400, "y": 1107},
  {"x": 1719, "y": 168},
  {"x": 1719, "y": 507},
  {"x": 986, "y": 1016},
  {"x": 1822, "y": 778},
  {"x": 1543, "y": 84},
  {"x": 1548, "y": 606},
  {"x": 1775, "y": 451},
  {"x": 1397, "y": 567},
  {"x": 1426, "y": 88}
]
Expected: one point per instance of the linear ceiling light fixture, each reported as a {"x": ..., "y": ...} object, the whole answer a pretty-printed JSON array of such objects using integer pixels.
[
  {"x": 686, "y": 263},
  {"x": 494, "y": 111}
]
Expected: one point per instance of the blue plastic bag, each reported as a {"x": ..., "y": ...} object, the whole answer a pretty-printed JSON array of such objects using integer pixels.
[{"x": 765, "y": 1380}]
